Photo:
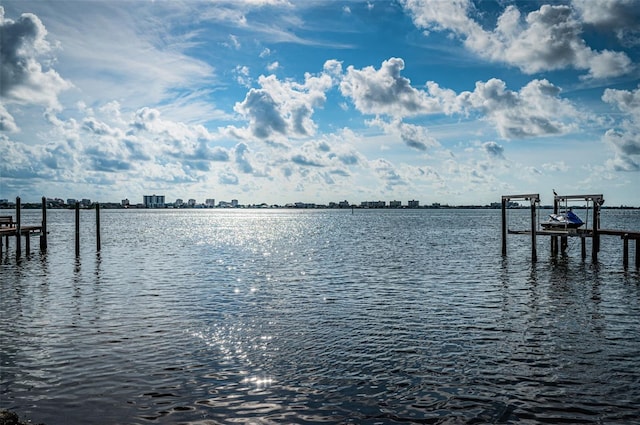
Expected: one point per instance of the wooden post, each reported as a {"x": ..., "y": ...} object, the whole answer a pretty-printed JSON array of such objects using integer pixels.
[
  {"x": 554, "y": 239},
  {"x": 534, "y": 253},
  {"x": 625, "y": 251},
  {"x": 98, "y": 226},
  {"x": 27, "y": 243},
  {"x": 564, "y": 242},
  {"x": 504, "y": 227},
  {"x": 43, "y": 230},
  {"x": 77, "y": 229},
  {"x": 18, "y": 229},
  {"x": 595, "y": 239},
  {"x": 583, "y": 247},
  {"x": 637, "y": 253}
]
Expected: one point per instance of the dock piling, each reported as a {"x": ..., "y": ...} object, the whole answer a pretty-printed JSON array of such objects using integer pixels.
[
  {"x": 18, "y": 229},
  {"x": 554, "y": 239},
  {"x": 534, "y": 251},
  {"x": 43, "y": 231},
  {"x": 504, "y": 226},
  {"x": 77, "y": 229},
  {"x": 98, "y": 226},
  {"x": 595, "y": 239},
  {"x": 534, "y": 199}
]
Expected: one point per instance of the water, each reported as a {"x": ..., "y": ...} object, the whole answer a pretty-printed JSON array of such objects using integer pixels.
[{"x": 289, "y": 316}]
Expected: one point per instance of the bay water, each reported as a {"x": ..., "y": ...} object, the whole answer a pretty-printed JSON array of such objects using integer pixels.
[{"x": 317, "y": 316}]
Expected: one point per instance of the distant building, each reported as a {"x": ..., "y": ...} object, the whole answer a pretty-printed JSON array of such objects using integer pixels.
[
  {"x": 343, "y": 204},
  {"x": 179, "y": 203},
  {"x": 373, "y": 204},
  {"x": 125, "y": 203},
  {"x": 153, "y": 201},
  {"x": 191, "y": 203},
  {"x": 413, "y": 204},
  {"x": 210, "y": 203},
  {"x": 85, "y": 202},
  {"x": 395, "y": 204},
  {"x": 234, "y": 203},
  {"x": 71, "y": 202}
]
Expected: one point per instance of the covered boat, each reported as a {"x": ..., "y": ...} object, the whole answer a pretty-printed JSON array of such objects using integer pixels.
[{"x": 566, "y": 220}]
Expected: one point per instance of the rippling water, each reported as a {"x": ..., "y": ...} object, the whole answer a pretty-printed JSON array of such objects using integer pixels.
[{"x": 289, "y": 316}]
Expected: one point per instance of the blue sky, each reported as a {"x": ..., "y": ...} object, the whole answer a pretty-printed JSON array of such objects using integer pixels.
[{"x": 279, "y": 101}]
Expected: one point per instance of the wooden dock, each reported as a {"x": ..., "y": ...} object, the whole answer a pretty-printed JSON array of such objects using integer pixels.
[
  {"x": 594, "y": 202},
  {"x": 14, "y": 228}
]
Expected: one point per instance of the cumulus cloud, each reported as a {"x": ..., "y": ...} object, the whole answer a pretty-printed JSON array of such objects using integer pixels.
[
  {"x": 106, "y": 142},
  {"x": 284, "y": 107},
  {"x": 7, "y": 123},
  {"x": 619, "y": 16},
  {"x": 625, "y": 140},
  {"x": 546, "y": 39},
  {"x": 242, "y": 75},
  {"x": 493, "y": 150},
  {"x": 414, "y": 136},
  {"x": 535, "y": 110},
  {"x": 242, "y": 160},
  {"x": 388, "y": 173},
  {"x": 385, "y": 91},
  {"x": 25, "y": 56},
  {"x": 228, "y": 179}
]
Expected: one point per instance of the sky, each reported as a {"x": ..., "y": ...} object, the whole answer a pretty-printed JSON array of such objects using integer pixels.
[{"x": 450, "y": 101}]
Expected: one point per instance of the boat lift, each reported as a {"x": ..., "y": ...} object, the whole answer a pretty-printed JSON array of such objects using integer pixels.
[{"x": 593, "y": 231}]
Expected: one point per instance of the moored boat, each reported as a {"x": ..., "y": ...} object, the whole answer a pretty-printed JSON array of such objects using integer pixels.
[{"x": 565, "y": 220}]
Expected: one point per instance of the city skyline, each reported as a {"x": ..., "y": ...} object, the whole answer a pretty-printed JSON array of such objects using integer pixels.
[{"x": 280, "y": 101}]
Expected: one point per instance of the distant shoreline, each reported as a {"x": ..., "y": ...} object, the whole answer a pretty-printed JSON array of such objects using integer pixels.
[{"x": 27, "y": 206}]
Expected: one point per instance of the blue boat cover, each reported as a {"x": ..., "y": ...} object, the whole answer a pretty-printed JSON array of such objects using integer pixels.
[{"x": 572, "y": 218}]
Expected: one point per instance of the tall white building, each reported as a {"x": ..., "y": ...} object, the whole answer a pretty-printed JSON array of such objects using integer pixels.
[
  {"x": 153, "y": 201},
  {"x": 210, "y": 203}
]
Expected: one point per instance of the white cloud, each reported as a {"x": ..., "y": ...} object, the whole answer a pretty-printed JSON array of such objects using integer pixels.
[
  {"x": 493, "y": 150},
  {"x": 24, "y": 79},
  {"x": 535, "y": 110},
  {"x": 558, "y": 166},
  {"x": 7, "y": 123},
  {"x": 284, "y": 108},
  {"x": 619, "y": 16},
  {"x": 266, "y": 52},
  {"x": 384, "y": 91},
  {"x": 242, "y": 75},
  {"x": 414, "y": 136},
  {"x": 234, "y": 42},
  {"x": 625, "y": 140},
  {"x": 546, "y": 39}
]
